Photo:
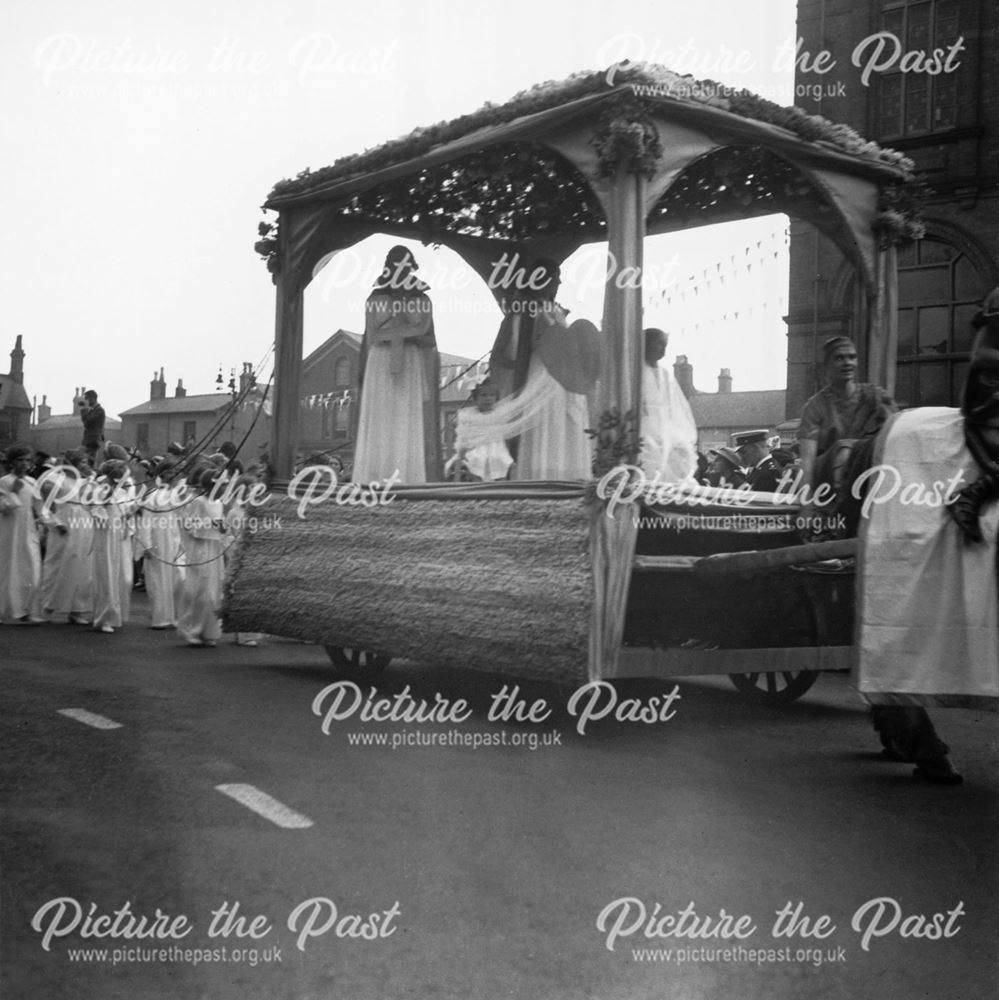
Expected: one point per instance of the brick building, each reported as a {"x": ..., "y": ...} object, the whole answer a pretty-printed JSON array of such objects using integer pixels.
[{"x": 948, "y": 122}]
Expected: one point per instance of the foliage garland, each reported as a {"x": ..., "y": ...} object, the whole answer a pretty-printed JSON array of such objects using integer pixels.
[{"x": 552, "y": 93}]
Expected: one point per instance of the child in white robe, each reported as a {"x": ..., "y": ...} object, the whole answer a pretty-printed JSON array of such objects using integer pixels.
[
  {"x": 112, "y": 551},
  {"x": 67, "y": 570},
  {"x": 202, "y": 530},
  {"x": 159, "y": 540},
  {"x": 486, "y": 461}
]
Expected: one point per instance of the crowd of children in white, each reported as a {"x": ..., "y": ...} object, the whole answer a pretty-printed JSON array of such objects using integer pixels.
[{"x": 72, "y": 538}]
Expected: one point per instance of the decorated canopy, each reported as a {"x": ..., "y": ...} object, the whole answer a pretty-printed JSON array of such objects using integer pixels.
[{"x": 615, "y": 155}]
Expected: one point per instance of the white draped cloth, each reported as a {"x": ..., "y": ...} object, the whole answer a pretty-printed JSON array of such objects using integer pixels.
[
  {"x": 20, "y": 552},
  {"x": 927, "y": 603},
  {"x": 669, "y": 433},
  {"x": 488, "y": 461},
  {"x": 551, "y": 423}
]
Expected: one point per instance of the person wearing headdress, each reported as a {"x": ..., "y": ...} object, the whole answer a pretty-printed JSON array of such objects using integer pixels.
[
  {"x": 928, "y": 593},
  {"x": 67, "y": 570},
  {"x": 20, "y": 551},
  {"x": 839, "y": 416},
  {"x": 725, "y": 468},
  {"x": 668, "y": 430},
  {"x": 398, "y": 411},
  {"x": 112, "y": 546},
  {"x": 762, "y": 470}
]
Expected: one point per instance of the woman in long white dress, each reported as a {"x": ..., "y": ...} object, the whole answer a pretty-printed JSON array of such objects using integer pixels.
[
  {"x": 669, "y": 433},
  {"x": 397, "y": 431},
  {"x": 20, "y": 552}
]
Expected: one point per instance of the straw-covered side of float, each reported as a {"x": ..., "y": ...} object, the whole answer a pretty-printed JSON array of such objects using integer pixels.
[{"x": 502, "y": 585}]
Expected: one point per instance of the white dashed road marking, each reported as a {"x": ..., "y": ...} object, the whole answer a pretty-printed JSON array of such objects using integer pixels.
[
  {"x": 89, "y": 719},
  {"x": 262, "y": 804}
]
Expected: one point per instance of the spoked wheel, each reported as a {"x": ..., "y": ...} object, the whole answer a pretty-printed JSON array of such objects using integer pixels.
[
  {"x": 358, "y": 664},
  {"x": 781, "y": 687},
  {"x": 777, "y": 688}
]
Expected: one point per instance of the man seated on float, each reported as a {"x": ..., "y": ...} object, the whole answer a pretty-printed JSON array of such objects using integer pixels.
[
  {"x": 838, "y": 425},
  {"x": 488, "y": 460},
  {"x": 548, "y": 411}
]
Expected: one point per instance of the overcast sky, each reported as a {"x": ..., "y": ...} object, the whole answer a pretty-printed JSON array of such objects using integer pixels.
[{"x": 143, "y": 137}]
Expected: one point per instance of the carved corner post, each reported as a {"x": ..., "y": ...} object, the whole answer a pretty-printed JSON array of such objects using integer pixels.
[
  {"x": 612, "y": 539},
  {"x": 287, "y": 357}
]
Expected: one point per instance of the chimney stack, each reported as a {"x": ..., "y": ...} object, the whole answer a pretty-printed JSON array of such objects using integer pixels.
[
  {"x": 157, "y": 388},
  {"x": 44, "y": 410},
  {"x": 246, "y": 378},
  {"x": 725, "y": 380},
  {"x": 180, "y": 391},
  {"x": 17, "y": 362},
  {"x": 683, "y": 371}
]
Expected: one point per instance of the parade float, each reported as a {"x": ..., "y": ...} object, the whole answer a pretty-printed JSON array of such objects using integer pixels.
[{"x": 555, "y": 580}]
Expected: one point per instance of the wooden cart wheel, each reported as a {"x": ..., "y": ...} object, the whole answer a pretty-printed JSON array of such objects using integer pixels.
[
  {"x": 777, "y": 688},
  {"x": 784, "y": 686},
  {"x": 357, "y": 664}
]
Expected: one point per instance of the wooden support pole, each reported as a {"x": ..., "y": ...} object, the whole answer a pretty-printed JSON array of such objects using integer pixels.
[{"x": 287, "y": 368}]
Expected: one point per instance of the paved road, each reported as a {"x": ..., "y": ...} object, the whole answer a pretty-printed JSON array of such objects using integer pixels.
[{"x": 474, "y": 872}]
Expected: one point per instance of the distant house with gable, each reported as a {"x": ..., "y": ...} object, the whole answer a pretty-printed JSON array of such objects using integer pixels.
[{"x": 204, "y": 420}]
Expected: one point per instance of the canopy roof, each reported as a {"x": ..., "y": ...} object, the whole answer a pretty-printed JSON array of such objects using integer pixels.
[
  {"x": 615, "y": 156},
  {"x": 532, "y": 173}
]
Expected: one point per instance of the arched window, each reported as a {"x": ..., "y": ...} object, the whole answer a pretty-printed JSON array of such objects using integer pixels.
[
  {"x": 341, "y": 373},
  {"x": 939, "y": 290}
]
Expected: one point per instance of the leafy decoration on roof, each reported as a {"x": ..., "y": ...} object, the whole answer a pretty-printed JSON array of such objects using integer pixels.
[{"x": 644, "y": 85}]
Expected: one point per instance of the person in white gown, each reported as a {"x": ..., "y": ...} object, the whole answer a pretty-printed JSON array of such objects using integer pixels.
[
  {"x": 112, "y": 548},
  {"x": 20, "y": 552},
  {"x": 398, "y": 414},
  {"x": 486, "y": 461},
  {"x": 668, "y": 430},
  {"x": 67, "y": 571},
  {"x": 158, "y": 536},
  {"x": 550, "y": 418},
  {"x": 202, "y": 527}
]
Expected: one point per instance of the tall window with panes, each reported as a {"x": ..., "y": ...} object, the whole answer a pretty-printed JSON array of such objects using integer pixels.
[
  {"x": 917, "y": 103},
  {"x": 939, "y": 291}
]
